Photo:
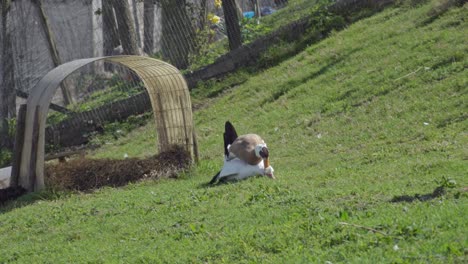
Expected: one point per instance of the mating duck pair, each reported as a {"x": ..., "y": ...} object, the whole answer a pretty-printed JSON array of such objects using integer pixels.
[{"x": 244, "y": 156}]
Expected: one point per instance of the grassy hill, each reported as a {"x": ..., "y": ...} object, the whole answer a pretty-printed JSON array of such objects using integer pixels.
[{"x": 362, "y": 129}]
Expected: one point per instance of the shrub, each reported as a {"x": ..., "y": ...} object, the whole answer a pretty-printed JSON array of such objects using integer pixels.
[{"x": 5, "y": 157}]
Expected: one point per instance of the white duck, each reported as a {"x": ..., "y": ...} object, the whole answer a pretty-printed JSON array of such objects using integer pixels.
[{"x": 243, "y": 157}]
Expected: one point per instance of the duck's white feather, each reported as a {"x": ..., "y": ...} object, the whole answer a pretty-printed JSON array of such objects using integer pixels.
[{"x": 236, "y": 169}]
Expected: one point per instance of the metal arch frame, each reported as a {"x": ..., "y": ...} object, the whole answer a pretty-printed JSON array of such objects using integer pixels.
[{"x": 162, "y": 81}]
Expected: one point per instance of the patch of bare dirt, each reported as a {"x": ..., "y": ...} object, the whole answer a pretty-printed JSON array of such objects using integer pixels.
[{"x": 86, "y": 174}]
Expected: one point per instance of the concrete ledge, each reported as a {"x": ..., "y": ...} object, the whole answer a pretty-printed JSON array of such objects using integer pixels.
[{"x": 5, "y": 177}]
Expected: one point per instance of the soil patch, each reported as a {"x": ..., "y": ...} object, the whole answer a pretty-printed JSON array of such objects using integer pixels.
[{"x": 86, "y": 174}]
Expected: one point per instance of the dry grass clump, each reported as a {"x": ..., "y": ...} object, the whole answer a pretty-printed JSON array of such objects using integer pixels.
[{"x": 85, "y": 174}]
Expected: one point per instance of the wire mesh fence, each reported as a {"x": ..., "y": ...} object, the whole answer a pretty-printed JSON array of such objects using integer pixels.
[
  {"x": 44, "y": 33},
  {"x": 164, "y": 84},
  {"x": 39, "y": 35}
]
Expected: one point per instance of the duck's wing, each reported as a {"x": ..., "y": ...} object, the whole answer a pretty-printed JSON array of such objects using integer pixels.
[
  {"x": 244, "y": 148},
  {"x": 229, "y": 178},
  {"x": 215, "y": 178},
  {"x": 237, "y": 169},
  {"x": 229, "y": 171},
  {"x": 230, "y": 135},
  {"x": 224, "y": 178}
]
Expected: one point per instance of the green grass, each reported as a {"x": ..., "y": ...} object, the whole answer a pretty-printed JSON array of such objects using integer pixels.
[
  {"x": 295, "y": 10},
  {"x": 373, "y": 112},
  {"x": 116, "y": 89},
  {"x": 140, "y": 142},
  {"x": 252, "y": 29}
]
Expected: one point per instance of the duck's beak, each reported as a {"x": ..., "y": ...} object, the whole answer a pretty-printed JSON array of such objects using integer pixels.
[{"x": 269, "y": 174}]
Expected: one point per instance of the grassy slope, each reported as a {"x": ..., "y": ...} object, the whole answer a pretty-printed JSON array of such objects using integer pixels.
[{"x": 375, "y": 111}]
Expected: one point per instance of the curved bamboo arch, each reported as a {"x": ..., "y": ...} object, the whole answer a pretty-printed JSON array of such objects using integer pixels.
[{"x": 169, "y": 96}]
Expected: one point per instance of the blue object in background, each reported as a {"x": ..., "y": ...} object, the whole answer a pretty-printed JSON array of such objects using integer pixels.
[
  {"x": 249, "y": 14},
  {"x": 267, "y": 11}
]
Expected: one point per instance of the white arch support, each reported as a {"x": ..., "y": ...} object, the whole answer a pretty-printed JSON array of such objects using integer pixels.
[{"x": 169, "y": 96}]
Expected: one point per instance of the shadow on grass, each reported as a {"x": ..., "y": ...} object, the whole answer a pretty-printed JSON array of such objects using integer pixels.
[
  {"x": 19, "y": 198},
  {"x": 293, "y": 83},
  {"x": 226, "y": 181},
  {"x": 11, "y": 193},
  {"x": 206, "y": 185},
  {"x": 438, "y": 192}
]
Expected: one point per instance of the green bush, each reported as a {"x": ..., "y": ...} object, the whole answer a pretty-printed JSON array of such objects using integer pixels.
[
  {"x": 118, "y": 89},
  {"x": 5, "y": 157},
  {"x": 115, "y": 130},
  {"x": 251, "y": 29}
]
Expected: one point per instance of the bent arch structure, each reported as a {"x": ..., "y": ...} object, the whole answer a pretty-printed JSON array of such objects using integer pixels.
[{"x": 169, "y": 96}]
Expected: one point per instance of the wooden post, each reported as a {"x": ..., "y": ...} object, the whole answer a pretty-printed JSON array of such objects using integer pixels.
[
  {"x": 232, "y": 24},
  {"x": 163, "y": 137},
  {"x": 195, "y": 146},
  {"x": 109, "y": 28},
  {"x": 137, "y": 22},
  {"x": 126, "y": 27},
  {"x": 18, "y": 146},
  {"x": 148, "y": 26},
  {"x": 258, "y": 11},
  {"x": 53, "y": 49},
  {"x": 187, "y": 140},
  {"x": 109, "y": 32},
  {"x": 7, "y": 77},
  {"x": 34, "y": 147}
]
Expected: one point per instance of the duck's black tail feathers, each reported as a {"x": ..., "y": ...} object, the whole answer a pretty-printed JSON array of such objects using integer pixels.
[
  {"x": 215, "y": 178},
  {"x": 230, "y": 135}
]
